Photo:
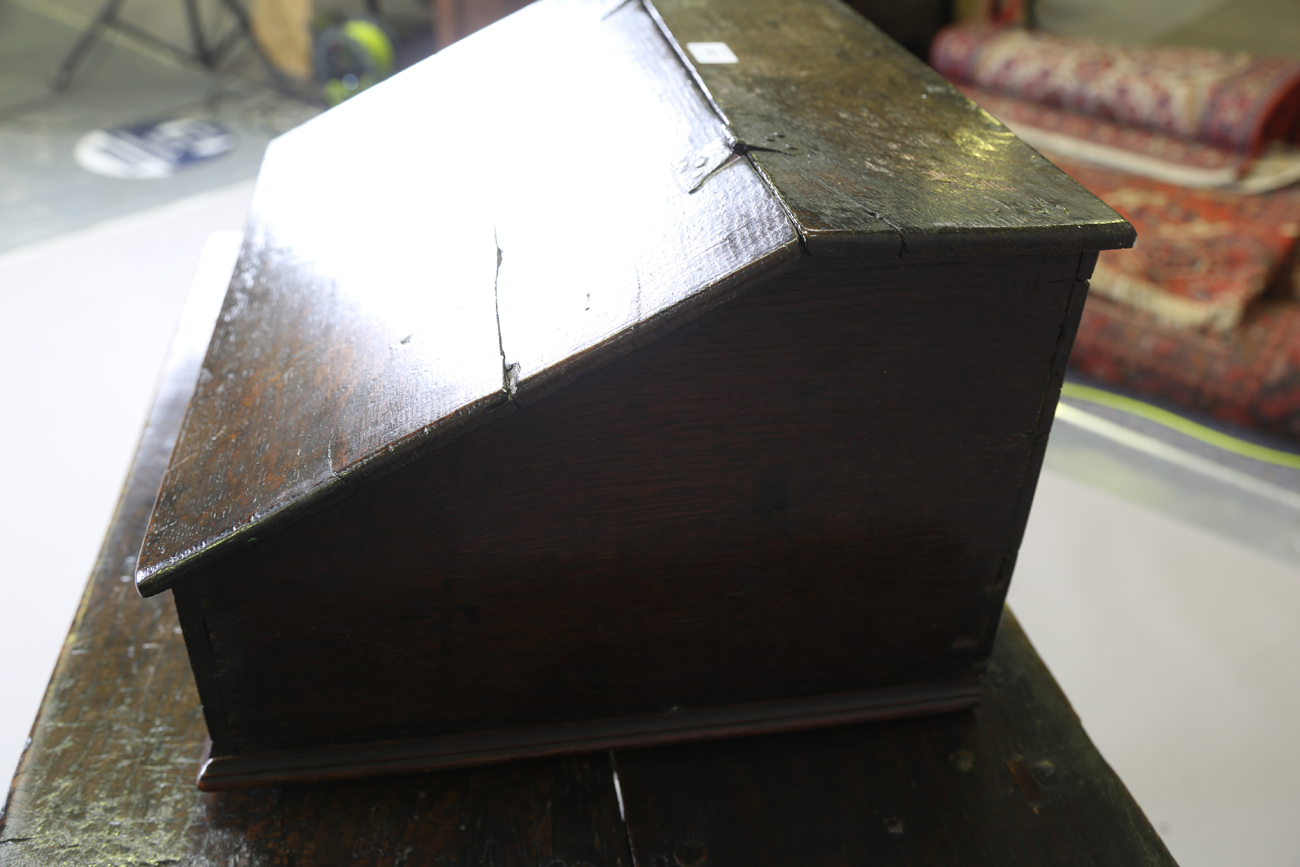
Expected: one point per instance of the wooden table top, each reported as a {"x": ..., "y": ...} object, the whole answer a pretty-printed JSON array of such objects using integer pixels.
[{"x": 108, "y": 777}]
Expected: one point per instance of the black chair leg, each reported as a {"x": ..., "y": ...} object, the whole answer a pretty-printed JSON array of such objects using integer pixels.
[
  {"x": 202, "y": 52},
  {"x": 107, "y": 14},
  {"x": 206, "y": 53}
]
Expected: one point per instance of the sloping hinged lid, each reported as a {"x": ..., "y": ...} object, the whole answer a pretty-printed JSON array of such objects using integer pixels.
[
  {"x": 547, "y": 195},
  {"x": 872, "y": 152}
]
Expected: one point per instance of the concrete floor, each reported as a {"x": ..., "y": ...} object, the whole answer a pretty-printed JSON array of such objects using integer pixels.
[
  {"x": 1177, "y": 646},
  {"x": 43, "y": 192},
  {"x": 1179, "y": 649}
]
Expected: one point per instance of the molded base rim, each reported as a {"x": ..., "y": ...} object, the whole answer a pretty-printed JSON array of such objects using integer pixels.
[{"x": 310, "y": 764}]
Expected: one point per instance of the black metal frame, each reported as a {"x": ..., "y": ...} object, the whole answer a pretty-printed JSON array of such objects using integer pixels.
[{"x": 203, "y": 51}]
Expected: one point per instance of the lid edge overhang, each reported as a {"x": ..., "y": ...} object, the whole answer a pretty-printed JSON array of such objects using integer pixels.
[{"x": 158, "y": 576}]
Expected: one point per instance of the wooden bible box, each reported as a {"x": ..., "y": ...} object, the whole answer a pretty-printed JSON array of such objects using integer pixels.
[{"x": 625, "y": 373}]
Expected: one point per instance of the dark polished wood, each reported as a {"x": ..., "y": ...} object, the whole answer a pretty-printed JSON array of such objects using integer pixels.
[
  {"x": 912, "y": 24},
  {"x": 608, "y": 429},
  {"x": 1014, "y": 783},
  {"x": 871, "y": 150},
  {"x": 107, "y": 778},
  {"x": 756, "y": 567},
  {"x": 347, "y": 344},
  {"x": 331, "y": 762}
]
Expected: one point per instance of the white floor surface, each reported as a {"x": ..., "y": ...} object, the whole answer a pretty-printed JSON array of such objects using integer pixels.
[{"x": 1180, "y": 651}]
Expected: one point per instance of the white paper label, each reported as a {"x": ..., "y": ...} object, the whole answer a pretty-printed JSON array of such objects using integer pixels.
[{"x": 711, "y": 52}]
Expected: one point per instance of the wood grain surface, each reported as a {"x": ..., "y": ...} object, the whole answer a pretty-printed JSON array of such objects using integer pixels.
[
  {"x": 108, "y": 777},
  {"x": 817, "y": 489},
  {"x": 1015, "y": 782},
  {"x": 873, "y": 152},
  {"x": 512, "y": 232}
]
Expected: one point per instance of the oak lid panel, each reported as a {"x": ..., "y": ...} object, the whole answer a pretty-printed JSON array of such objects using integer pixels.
[
  {"x": 454, "y": 240},
  {"x": 872, "y": 152},
  {"x": 640, "y": 240}
]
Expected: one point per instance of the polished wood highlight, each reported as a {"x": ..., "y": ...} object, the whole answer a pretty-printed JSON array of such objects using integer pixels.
[
  {"x": 912, "y": 24},
  {"x": 565, "y": 421},
  {"x": 331, "y": 762},
  {"x": 871, "y": 150}
]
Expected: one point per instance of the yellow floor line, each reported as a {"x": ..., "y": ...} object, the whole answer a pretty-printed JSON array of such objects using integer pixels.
[{"x": 1181, "y": 425}]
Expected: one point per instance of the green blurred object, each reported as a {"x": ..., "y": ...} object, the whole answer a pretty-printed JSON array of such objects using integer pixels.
[{"x": 351, "y": 56}]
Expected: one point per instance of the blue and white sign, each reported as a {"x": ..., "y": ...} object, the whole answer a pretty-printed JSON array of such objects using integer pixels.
[{"x": 152, "y": 150}]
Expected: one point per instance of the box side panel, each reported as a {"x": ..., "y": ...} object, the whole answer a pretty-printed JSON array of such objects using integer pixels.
[
  {"x": 198, "y": 648},
  {"x": 814, "y": 489}
]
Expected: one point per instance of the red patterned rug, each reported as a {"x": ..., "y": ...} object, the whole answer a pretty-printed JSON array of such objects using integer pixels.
[
  {"x": 1184, "y": 115},
  {"x": 1249, "y": 376},
  {"x": 1202, "y": 256},
  {"x": 1201, "y": 311}
]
